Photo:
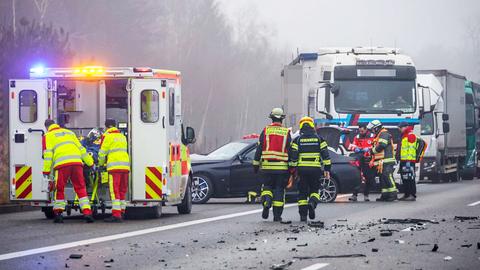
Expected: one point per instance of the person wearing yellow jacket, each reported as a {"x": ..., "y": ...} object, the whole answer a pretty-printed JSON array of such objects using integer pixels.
[
  {"x": 64, "y": 155},
  {"x": 114, "y": 155}
]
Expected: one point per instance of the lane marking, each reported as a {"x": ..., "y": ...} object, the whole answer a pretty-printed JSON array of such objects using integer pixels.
[
  {"x": 475, "y": 203},
  {"x": 315, "y": 266},
  {"x": 28, "y": 252}
]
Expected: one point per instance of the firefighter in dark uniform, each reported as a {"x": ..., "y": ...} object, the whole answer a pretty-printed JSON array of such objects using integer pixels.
[
  {"x": 272, "y": 157},
  {"x": 383, "y": 160},
  {"x": 309, "y": 154}
]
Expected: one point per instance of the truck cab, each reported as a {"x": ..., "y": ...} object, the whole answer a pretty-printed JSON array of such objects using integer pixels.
[{"x": 146, "y": 103}]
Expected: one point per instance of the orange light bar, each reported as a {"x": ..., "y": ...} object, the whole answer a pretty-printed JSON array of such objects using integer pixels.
[{"x": 89, "y": 70}]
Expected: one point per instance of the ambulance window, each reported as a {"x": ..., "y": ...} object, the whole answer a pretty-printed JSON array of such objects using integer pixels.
[
  {"x": 171, "y": 106},
  {"x": 28, "y": 106},
  {"x": 150, "y": 106}
]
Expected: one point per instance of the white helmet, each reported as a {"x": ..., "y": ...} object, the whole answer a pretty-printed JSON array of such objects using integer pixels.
[
  {"x": 374, "y": 125},
  {"x": 94, "y": 134},
  {"x": 277, "y": 113}
]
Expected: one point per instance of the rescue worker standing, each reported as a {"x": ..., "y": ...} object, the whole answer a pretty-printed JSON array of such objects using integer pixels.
[
  {"x": 409, "y": 151},
  {"x": 361, "y": 146},
  {"x": 383, "y": 160},
  {"x": 63, "y": 152},
  {"x": 309, "y": 153},
  {"x": 114, "y": 154},
  {"x": 272, "y": 157}
]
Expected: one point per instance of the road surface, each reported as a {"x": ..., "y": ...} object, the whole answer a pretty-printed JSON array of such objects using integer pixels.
[{"x": 227, "y": 234}]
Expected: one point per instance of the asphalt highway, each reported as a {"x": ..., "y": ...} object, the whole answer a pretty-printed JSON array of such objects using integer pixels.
[{"x": 228, "y": 234}]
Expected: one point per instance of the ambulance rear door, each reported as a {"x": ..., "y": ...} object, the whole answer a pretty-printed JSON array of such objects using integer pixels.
[
  {"x": 148, "y": 144},
  {"x": 28, "y": 111}
]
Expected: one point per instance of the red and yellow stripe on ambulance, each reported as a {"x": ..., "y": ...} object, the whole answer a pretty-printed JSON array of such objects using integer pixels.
[
  {"x": 153, "y": 183},
  {"x": 23, "y": 182}
]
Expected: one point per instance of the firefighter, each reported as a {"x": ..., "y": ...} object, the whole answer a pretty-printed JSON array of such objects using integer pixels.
[
  {"x": 409, "y": 151},
  {"x": 272, "y": 157},
  {"x": 361, "y": 146},
  {"x": 114, "y": 155},
  {"x": 383, "y": 160},
  {"x": 309, "y": 153},
  {"x": 63, "y": 152}
]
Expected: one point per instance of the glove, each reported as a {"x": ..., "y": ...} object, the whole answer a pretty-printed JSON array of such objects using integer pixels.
[
  {"x": 357, "y": 150},
  {"x": 256, "y": 168}
]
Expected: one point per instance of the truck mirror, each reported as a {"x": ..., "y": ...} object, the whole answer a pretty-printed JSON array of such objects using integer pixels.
[
  {"x": 190, "y": 138},
  {"x": 445, "y": 117},
  {"x": 427, "y": 103},
  {"x": 446, "y": 127},
  {"x": 334, "y": 89},
  {"x": 321, "y": 95}
]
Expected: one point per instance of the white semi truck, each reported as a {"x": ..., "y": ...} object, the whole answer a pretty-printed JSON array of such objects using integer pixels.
[
  {"x": 450, "y": 129},
  {"x": 147, "y": 104},
  {"x": 345, "y": 86}
]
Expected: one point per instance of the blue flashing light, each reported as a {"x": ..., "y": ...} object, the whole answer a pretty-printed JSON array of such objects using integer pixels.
[{"x": 39, "y": 70}]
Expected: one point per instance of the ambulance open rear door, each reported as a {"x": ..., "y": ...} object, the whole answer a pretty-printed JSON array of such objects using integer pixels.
[
  {"x": 148, "y": 143},
  {"x": 28, "y": 111}
]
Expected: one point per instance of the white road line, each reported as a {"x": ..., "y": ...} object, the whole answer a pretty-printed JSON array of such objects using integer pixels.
[
  {"x": 475, "y": 203},
  {"x": 315, "y": 266},
  {"x": 113, "y": 237}
]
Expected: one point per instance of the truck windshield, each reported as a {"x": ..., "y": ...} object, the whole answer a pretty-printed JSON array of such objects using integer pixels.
[
  {"x": 426, "y": 124},
  {"x": 375, "y": 96}
]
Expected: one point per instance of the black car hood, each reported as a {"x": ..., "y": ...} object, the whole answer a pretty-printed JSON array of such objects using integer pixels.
[{"x": 201, "y": 159}]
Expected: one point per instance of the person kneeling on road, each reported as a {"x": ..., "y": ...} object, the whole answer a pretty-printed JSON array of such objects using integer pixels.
[
  {"x": 272, "y": 157},
  {"x": 114, "y": 153},
  {"x": 309, "y": 154}
]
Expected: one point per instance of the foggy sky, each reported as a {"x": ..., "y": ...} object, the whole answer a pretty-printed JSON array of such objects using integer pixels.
[{"x": 436, "y": 33}]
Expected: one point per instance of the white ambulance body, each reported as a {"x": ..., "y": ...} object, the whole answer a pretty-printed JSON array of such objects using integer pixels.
[{"x": 146, "y": 103}]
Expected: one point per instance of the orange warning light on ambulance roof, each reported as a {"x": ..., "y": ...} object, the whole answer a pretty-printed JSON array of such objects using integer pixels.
[{"x": 89, "y": 70}]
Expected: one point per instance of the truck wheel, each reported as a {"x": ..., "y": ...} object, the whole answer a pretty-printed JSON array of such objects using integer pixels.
[
  {"x": 186, "y": 206},
  {"x": 468, "y": 174},
  {"x": 48, "y": 211}
]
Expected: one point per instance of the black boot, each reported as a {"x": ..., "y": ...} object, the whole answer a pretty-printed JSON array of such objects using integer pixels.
[
  {"x": 277, "y": 213},
  {"x": 265, "y": 212},
  {"x": 113, "y": 219},
  {"x": 392, "y": 196},
  {"x": 89, "y": 219},
  {"x": 303, "y": 218},
  {"x": 58, "y": 218},
  {"x": 382, "y": 198},
  {"x": 311, "y": 210}
]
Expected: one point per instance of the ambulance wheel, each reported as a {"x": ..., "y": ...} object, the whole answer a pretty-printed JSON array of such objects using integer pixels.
[
  {"x": 186, "y": 206},
  {"x": 48, "y": 211}
]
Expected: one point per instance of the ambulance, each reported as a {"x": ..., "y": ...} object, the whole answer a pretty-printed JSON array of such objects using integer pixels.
[{"x": 146, "y": 103}]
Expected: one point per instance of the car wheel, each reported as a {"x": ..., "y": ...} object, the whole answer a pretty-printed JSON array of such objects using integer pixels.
[
  {"x": 202, "y": 189},
  {"x": 328, "y": 190}
]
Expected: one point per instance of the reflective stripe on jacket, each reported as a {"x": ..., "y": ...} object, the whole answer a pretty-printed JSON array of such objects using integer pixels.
[
  {"x": 61, "y": 148},
  {"x": 114, "y": 151},
  {"x": 310, "y": 151},
  {"x": 383, "y": 148},
  {"x": 273, "y": 147}
]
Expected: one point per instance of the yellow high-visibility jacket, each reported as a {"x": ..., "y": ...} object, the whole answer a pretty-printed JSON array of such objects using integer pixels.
[
  {"x": 114, "y": 151},
  {"x": 61, "y": 148}
]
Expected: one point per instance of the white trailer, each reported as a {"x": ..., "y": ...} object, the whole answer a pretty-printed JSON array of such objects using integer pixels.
[
  {"x": 444, "y": 129},
  {"x": 147, "y": 104}
]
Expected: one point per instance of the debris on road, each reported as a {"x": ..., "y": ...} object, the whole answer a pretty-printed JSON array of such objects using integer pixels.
[
  {"x": 342, "y": 220},
  {"x": 331, "y": 256},
  {"x": 316, "y": 224},
  {"x": 250, "y": 249},
  {"x": 282, "y": 266},
  {"x": 478, "y": 245},
  {"x": 109, "y": 261},
  {"x": 467, "y": 245},
  {"x": 463, "y": 218},
  {"x": 435, "y": 248},
  {"x": 221, "y": 242},
  {"x": 408, "y": 221},
  {"x": 386, "y": 233},
  {"x": 399, "y": 241},
  {"x": 447, "y": 258},
  {"x": 302, "y": 245},
  {"x": 76, "y": 256},
  {"x": 371, "y": 239},
  {"x": 286, "y": 222},
  {"x": 374, "y": 249},
  {"x": 292, "y": 238}
]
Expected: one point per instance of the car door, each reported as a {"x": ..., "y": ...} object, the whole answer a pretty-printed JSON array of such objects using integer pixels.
[{"x": 242, "y": 177}]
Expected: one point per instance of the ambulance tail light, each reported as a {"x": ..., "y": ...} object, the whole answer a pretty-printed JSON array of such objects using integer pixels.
[{"x": 142, "y": 69}]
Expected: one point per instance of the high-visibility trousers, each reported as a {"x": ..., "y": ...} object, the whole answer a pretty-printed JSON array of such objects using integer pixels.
[
  {"x": 118, "y": 182},
  {"x": 308, "y": 187},
  {"x": 73, "y": 173}
]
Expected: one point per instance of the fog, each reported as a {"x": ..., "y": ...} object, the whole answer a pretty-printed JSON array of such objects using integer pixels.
[{"x": 231, "y": 52}]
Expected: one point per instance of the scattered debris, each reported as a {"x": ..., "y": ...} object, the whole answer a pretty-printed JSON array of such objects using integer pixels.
[
  {"x": 250, "y": 249},
  {"x": 316, "y": 224},
  {"x": 303, "y": 245},
  {"x": 467, "y": 245},
  {"x": 463, "y": 218},
  {"x": 331, "y": 256},
  {"x": 374, "y": 249},
  {"x": 86, "y": 265},
  {"x": 66, "y": 266},
  {"x": 407, "y": 221},
  {"x": 76, "y": 256},
  {"x": 292, "y": 238},
  {"x": 195, "y": 241},
  {"x": 447, "y": 258},
  {"x": 109, "y": 261},
  {"x": 221, "y": 242},
  {"x": 399, "y": 241},
  {"x": 435, "y": 248},
  {"x": 342, "y": 220},
  {"x": 108, "y": 265},
  {"x": 281, "y": 266},
  {"x": 478, "y": 245},
  {"x": 386, "y": 233},
  {"x": 371, "y": 239},
  {"x": 286, "y": 222}
]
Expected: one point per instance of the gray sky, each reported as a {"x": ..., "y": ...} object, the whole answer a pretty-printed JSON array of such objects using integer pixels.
[{"x": 435, "y": 32}]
